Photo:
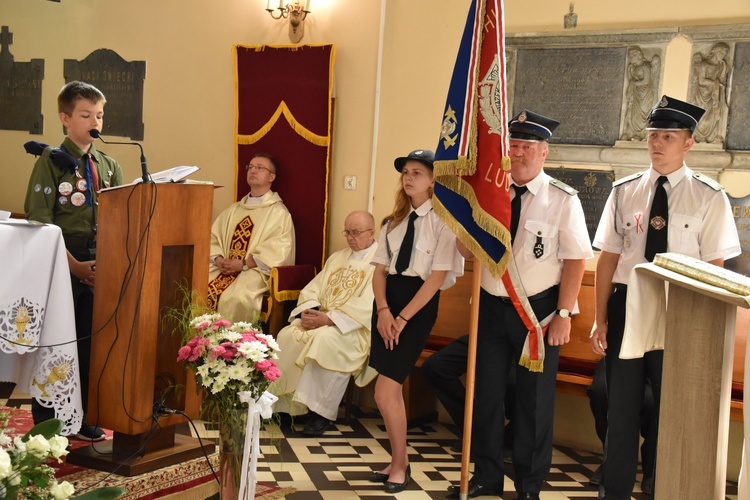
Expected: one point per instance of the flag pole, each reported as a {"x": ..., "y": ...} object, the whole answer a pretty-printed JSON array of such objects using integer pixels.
[{"x": 470, "y": 379}]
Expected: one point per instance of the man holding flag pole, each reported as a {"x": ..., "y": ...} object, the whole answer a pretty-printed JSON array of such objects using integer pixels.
[{"x": 527, "y": 292}]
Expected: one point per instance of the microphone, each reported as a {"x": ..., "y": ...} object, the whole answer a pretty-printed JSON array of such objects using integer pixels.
[{"x": 144, "y": 169}]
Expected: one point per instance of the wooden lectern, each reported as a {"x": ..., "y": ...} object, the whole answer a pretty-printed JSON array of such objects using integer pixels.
[
  {"x": 153, "y": 244},
  {"x": 691, "y": 462}
]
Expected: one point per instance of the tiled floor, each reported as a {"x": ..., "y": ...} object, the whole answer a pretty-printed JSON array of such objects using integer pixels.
[{"x": 336, "y": 466}]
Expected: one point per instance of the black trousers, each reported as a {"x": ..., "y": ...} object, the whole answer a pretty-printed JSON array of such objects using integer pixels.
[
  {"x": 500, "y": 341},
  {"x": 83, "y": 303},
  {"x": 597, "y": 394},
  {"x": 626, "y": 385},
  {"x": 443, "y": 371}
]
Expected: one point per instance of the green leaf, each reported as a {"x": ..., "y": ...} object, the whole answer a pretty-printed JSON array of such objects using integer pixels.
[
  {"x": 106, "y": 493},
  {"x": 47, "y": 429}
]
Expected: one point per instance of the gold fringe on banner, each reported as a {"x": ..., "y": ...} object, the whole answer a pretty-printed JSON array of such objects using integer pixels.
[{"x": 481, "y": 217}]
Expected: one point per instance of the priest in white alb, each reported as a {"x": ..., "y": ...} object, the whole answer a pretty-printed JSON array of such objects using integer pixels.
[
  {"x": 328, "y": 340},
  {"x": 249, "y": 238}
]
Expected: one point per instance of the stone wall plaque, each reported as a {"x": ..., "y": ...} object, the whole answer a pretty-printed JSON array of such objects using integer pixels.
[
  {"x": 741, "y": 212},
  {"x": 593, "y": 188},
  {"x": 580, "y": 87},
  {"x": 20, "y": 90},
  {"x": 738, "y": 126},
  {"x": 122, "y": 84}
]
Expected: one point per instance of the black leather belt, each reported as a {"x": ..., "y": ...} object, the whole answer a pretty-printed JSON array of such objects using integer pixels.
[{"x": 538, "y": 296}]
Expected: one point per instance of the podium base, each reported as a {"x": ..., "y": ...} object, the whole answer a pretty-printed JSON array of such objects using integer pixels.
[{"x": 105, "y": 457}]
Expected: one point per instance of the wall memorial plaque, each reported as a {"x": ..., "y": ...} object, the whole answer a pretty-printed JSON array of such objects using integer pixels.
[
  {"x": 20, "y": 89},
  {"x": 741, "y": 212},
  {"x": 121, "y": 82},
  {"x": 738, "y": 126},
  {"x": 593, "y": 188},
  {"x": 581, "y": 87}
]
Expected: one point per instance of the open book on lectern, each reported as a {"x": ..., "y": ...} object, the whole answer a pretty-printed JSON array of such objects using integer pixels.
[{"x": 175, "y": 174}]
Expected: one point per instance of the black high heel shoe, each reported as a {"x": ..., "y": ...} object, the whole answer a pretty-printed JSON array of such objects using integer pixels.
[{"x": 396, "y": 487}]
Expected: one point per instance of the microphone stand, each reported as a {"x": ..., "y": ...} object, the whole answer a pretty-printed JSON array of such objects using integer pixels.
[{"x": 144, "y": 169}]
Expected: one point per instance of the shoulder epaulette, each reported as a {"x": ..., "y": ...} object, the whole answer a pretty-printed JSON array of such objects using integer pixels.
[
  {"x": 562, "y": 186},
  {"x": 707, "y": 181},
  {"x": 629, "y": 178}
]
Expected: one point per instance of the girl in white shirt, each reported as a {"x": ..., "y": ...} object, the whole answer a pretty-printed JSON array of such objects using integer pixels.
[{"x": 407, "y": 283}]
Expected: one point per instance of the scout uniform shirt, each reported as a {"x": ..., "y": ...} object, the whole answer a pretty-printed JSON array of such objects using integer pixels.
[{"x": 58, "y": 195}]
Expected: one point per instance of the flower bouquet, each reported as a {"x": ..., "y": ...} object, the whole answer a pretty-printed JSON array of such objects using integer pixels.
[
  {"x": 24, "y": 469},
  {"x": 229, "y": 359}
]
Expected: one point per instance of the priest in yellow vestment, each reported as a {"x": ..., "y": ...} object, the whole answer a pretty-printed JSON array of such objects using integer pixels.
[
  {"x": 330, "y": 340},
  {"x": 247, "y": 240}
]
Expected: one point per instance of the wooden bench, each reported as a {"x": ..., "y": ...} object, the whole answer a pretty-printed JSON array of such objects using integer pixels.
[{"x": 577, "y": 360}]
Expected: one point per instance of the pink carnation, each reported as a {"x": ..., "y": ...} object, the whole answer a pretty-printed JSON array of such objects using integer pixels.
[
  {"x": 183, "y": 353},
  {"x": 216, "y": 353},
  {"x": 230, "y": 351},
  {"x": 203, "y": 326},
  {"x": 248, "y": 336},
  {"x": 264, "y": 365},
  {"x": 272, "y": 373},
  {"x": 219, "y": 323}
]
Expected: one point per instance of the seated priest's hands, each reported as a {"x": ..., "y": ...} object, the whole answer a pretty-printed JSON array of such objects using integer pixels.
[
  {"x": 234, "y": 266},
  {"x": 312, "y": 319}
]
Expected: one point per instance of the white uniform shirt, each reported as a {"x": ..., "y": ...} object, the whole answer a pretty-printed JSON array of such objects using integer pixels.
[
  {"x": 555, "y": 216},
  {"x": 434, "y": 247},
  {"x": 700, "y": 223}
]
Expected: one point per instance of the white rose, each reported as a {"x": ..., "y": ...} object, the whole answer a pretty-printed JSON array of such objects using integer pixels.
[
  {"x": 38, "y": 446},
  {"x": 19, "y": 444},
  {"x": 4, "y": 440},
  {"x": 5, "y": 466},
  {"x": 57, "y": 446},
  {"x": 62, "y": 491}
]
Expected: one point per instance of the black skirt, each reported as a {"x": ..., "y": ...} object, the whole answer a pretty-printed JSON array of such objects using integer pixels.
[{"x": 397, "y": 364}]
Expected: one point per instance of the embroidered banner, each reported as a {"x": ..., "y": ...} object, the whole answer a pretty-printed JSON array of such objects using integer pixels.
[{"x": 285, "y": 108}]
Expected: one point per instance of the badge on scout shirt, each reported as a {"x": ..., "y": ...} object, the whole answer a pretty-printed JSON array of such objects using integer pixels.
[
  {"x": 82, "y": 185},
  {"x": 62, "y": 200},
  {"x": 48, "y": 190},
  {"x": 37, "y": 188},
  {"x": 78, "y": 199},
  {"x": 65, "y": 188}
]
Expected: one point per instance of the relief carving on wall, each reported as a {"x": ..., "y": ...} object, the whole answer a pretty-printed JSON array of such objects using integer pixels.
[{"x": 710, "y": 72}]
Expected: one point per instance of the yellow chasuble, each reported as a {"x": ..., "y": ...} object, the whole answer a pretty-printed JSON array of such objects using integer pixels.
[
  {"x": 262, "y": 229},
  {"x": 344, "y": 285}
]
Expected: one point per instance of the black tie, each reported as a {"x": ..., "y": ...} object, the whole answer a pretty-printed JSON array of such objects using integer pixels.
[
  {"x": 404, "y": 255},
  {"x": 515, "y": 210},
  {"x": 656, "y": 237}
]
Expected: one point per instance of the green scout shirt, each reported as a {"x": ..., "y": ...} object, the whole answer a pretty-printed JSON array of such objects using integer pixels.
[{"x": 54, "y": 194}]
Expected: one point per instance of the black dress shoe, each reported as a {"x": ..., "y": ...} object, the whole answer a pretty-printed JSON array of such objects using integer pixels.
[
  {"x": 316, "y": 425},
  {"x": 596, "y": 477},
  {"x": 379, "y": 477},
  {"x": 390, "y": 487},
  {"x": 475, "y": 490},
  {"x": 528, "y": 496},
  {"x": 647, "y": 486}
]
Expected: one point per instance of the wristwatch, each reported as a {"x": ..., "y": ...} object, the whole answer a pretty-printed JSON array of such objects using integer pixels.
[
  {"x": 245, "y": 267},
  {"x": 563, "y": 313}
]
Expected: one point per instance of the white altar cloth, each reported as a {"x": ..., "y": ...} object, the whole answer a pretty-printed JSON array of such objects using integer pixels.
[{"x": 36, "y": 310}]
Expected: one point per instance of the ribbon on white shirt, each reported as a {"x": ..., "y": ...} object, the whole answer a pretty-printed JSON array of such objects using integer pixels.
[{"x": 263, "y": 407}]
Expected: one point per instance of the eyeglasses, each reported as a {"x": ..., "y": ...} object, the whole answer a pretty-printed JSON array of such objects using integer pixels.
[
  {"x": 354, "y": 232},
  {"x": 257, "y": 168}
]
